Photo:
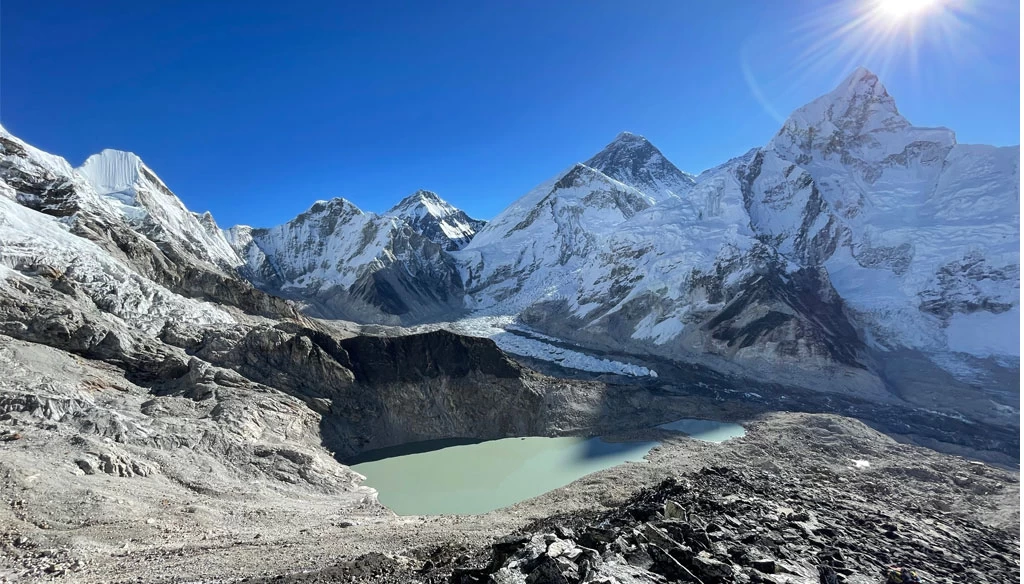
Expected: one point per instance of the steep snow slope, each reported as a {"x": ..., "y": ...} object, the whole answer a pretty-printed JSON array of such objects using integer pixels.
[
  {"x": 915, "y": 230},
  {"x": 435, "y": 219},
  {"x": 852, "y": 232},
  {"x": 344, "y": 263},
  {"x": 136, "y": 221},
  {"x": 32, "y": 243},
  {"x": 43, "y": 202},
  {"x": 534, "y": 249},
  {"x": 130, "y": 187}
]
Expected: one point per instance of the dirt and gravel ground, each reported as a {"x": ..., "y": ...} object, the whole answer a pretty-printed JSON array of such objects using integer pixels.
[{"x": 223, "y": 537}]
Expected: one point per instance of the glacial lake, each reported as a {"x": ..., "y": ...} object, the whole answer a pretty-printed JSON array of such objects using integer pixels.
[{"x": 464, "y": 477}]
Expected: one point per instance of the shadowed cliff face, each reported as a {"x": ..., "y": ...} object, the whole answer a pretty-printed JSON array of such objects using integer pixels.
[
  {"x": 415, "y": 358},
  {"x": 374, "y": 392},
  {"x": 431, "y": 385}
]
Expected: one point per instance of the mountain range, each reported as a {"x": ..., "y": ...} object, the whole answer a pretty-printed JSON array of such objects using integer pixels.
[{"x": 853, "y": 253}]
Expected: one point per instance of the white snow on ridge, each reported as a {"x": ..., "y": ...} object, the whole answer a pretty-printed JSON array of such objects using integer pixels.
[
  {"x": 423, "y": 210},
  {"x": 328, "y": 245},
  {"x": 29, "y": 238},
  {"x": 536, "y": 248},
  {"x": 54, "y": 164}
]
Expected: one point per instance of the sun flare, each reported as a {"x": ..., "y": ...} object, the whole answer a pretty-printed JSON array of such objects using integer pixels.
[{"x": 902, "y": 9}]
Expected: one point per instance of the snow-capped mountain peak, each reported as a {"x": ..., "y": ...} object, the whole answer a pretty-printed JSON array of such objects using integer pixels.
[
  {"x": 858, "y": 118},
  {"x": 633, "y": 160},
  {"x": 337, "y": 207},
  {"x": 423, "y": 202},
  {"x": 436, "y": 219},
  {"x": 132, "y": 189}
]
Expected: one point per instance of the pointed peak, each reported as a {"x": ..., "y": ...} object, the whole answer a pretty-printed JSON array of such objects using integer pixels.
[
  {"x": 858, "y": 104},
  {"x": 337, "y": 204},
  {"x": 626, "y": 136},
  {"x": 425, "y": 194},
  {"x": 858, "y": 117},
  {"x": 632, "y": 159},
  {"x": 423, "y": 202},
  {"x": 627, "y": 141},
  {"x": 421, "y": 196},
  {"x": 859, "y": 74},
  {"x": 206, "y": 220},
  {"x": 860, "y": 82}
]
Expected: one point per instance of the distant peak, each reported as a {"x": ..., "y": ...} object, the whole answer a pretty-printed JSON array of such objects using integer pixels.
[
  {"x": 333, "y": 205},
  {"x": 206, "y": 220},
  {"x": 629, "y": 140},
  {"x": 423, "y": 202},
  {"x": 421, "y": 196},
  {"x": 632, "y": 159}
]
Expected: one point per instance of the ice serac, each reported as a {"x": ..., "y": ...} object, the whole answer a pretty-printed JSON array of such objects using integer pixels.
[
  {"x": 343, "y": 263},
  {"x": 136, "y": 192},
  {"x": 435, "y": 219}
]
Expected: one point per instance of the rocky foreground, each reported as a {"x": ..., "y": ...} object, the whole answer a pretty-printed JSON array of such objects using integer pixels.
[
  {"x": 723, "y": 525},
  {"x": 767, "y": 519}
]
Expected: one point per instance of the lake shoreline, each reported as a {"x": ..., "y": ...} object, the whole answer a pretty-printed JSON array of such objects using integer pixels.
[{"x": 463, "y": 476}]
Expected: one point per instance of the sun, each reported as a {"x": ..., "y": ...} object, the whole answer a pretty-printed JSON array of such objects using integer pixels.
[{"x": 903, "y": 9}]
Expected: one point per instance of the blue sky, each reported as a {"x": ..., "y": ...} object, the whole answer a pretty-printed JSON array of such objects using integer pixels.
[{"x": 255, "y": 112}]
